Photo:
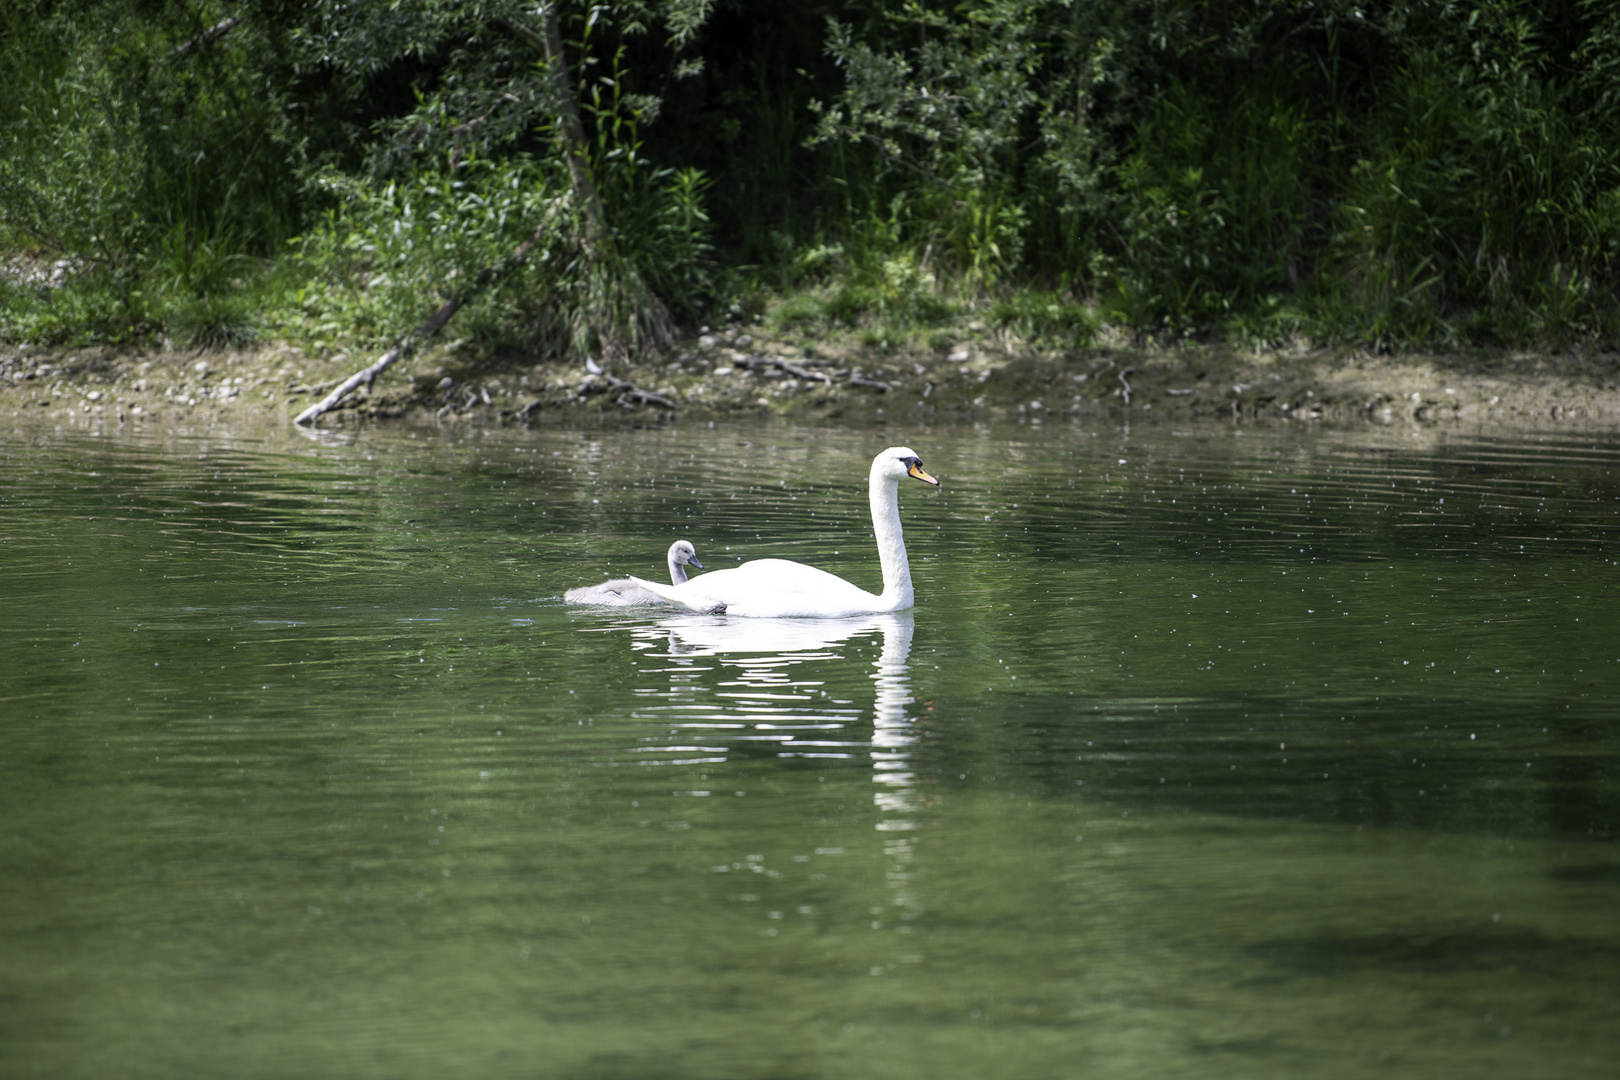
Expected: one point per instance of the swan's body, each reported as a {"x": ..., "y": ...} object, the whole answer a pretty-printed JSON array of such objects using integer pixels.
[
  {"x": 768, "y": 588},
  {"x": 626, "y": 592}
]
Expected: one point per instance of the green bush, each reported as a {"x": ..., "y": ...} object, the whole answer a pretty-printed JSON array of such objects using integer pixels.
[
  {"x": 158, "y": 173},
  {"x": 1423, "y": 173}
]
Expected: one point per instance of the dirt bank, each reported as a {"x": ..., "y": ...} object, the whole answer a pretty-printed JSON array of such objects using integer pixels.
[{"x": 748, "y": 370}]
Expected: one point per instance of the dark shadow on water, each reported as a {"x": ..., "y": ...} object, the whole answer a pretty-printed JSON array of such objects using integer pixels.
[
  {"x": 1209, "y": 758},
  {"x": 1526, "y": 952},
  {"x": 1590, "y": 874},
  {"x": 626, "y": 1066},
  {"x": 1264, "y": 1046}
]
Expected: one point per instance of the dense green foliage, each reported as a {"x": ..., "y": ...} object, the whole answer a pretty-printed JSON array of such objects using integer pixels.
[
  {"x": 153, "y": 177},
  {"x": 1430, "y": 172}
]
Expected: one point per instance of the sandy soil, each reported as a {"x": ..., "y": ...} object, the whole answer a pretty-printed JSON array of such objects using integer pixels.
[{"x": 747, "y": 370}]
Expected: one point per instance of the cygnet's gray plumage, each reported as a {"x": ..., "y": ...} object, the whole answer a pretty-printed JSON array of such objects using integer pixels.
[{"x": 626, "y": 593}]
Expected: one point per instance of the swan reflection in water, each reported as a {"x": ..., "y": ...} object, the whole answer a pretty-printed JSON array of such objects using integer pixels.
[{"x": 768, "y": 703}]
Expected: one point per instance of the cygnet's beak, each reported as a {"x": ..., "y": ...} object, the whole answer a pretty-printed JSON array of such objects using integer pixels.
[
  {"x": 917, "y": 472},
  {"x": 694, "y": 562}
]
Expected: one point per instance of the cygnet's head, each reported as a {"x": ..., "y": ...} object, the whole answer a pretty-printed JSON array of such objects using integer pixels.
[
  {"x": 682, "y": 553},
  {"x": 899, "y": 461}
]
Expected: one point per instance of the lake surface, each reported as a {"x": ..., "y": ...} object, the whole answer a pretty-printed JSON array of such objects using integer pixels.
[{"x": 1234, "y": 752}]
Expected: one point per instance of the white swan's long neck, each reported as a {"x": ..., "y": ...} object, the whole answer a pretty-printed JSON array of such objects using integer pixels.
[
  {"x": 884, "y": 492},
  {"x": 677, "y": 570}
]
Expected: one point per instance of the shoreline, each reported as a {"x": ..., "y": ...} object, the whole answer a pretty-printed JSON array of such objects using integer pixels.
[{"x": 752, "y": 372}]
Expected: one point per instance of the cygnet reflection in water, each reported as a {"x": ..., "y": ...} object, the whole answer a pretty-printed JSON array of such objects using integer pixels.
[{"x": 625, "y": 592}]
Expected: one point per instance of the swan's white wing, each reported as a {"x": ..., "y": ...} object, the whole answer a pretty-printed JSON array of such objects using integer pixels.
[
  {"x": 773, "y": 588},
  {"x": 685, "y": 595}
]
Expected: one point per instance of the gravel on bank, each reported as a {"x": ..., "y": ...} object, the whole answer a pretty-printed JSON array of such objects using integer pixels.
[{"x": 746, "y": 370}]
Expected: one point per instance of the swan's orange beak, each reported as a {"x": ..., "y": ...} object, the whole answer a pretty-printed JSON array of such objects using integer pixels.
[{"x": 917, "y": 472}]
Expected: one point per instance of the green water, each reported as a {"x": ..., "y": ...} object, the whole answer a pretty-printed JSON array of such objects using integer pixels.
[{"x": 1230, "y": 753}]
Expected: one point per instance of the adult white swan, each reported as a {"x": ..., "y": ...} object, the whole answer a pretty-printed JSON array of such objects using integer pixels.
[
  {"x": 772, "y": 588},
  {"x": 624, "y": 592}
]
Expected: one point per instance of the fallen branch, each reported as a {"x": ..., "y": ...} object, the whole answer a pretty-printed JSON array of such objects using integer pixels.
[
  {"x": 425, "y": 330},
  {"x": 754, "y": 363},
  {"x": 1125, "y": 384},
  {"x": 635, "y": 393},
  {"x": 880, "y": 387}
]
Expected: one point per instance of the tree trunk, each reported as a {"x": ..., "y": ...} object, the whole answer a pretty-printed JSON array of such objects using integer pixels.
[
  {"x": 650, "y": 320},
  {"x": 549, "y": 42}
]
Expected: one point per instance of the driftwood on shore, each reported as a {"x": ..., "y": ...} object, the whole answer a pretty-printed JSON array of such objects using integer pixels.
[
  {"x": 629, "y": 394},
  {"x": 629, "y": 391},
  {"x": 787, "y": 367},
  {"x": 754, "y": 363}
]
